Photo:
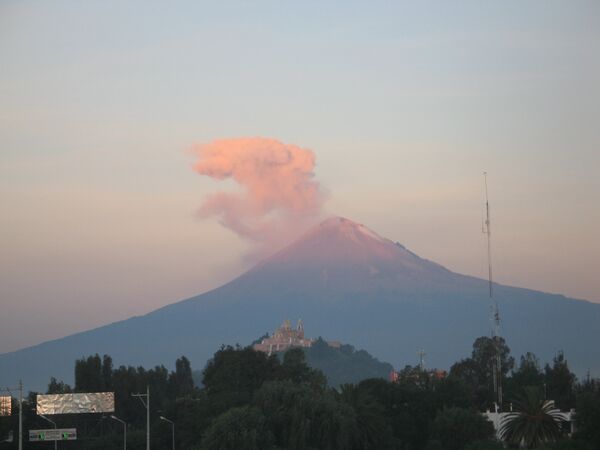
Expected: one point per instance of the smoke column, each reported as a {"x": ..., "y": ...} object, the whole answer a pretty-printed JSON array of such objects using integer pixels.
[{"x": 279, "y": 195}]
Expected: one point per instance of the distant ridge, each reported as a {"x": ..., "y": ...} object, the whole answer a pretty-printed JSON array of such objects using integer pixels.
[{"x": 347, "y": 283}]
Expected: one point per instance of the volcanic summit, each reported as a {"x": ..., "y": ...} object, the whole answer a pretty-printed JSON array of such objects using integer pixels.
[{"x": 347, "y": 283}]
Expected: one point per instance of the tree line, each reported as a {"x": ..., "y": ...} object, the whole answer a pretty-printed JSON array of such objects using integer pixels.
[{"x": 249, "y": 400}]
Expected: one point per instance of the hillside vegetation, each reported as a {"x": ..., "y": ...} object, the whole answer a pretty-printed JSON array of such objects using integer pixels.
[
  {"x": 252, "y": 401},
  {"x": 345, "y": 364}
]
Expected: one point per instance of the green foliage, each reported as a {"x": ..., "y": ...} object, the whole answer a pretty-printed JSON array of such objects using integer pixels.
[
  {"x": 587, "y": 417},
  {"x": 434, "y": 445},
  {"x": 535, "y": 421},
  {"x": 233, "y": 374},
  {"x": 560, "y": 383},
  {"x": 252, "y": 401},
  {"x": 93, "y": 374},
  {"x": 453, "y": 391},
  {"x": 477, "y": 372},
  {"x": 346, "y": 364},
  {"x": 457, "y": 427},
  {"x": 487, "y": 444},
  {"x": 58, "y": 387},
  {"x": 484, "y": 348},
  {"x": 373, "y": 430},
  {"x": 192, "y": 415},
  {"x": 527, "y": 374},
  {"x": 296, "y": 369},
  {"x": 181, "y": 381},
  {"x": 409, "y": 410},
  {"x": 279, "y": 399},
  {"x": 303, "y": 417},
  {"x": 414, "y": 375},
  {"x": 238, "y": 428},
  {"x": 570, "y": 444}
]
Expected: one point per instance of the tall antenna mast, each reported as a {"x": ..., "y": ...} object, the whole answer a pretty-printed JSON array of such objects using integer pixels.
[
  {"x": 494, "y": 310},
  {"x": 421, "y": 354}
]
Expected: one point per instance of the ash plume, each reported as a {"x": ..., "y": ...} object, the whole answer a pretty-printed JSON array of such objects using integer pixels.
[{"x": 279, "y": 196}]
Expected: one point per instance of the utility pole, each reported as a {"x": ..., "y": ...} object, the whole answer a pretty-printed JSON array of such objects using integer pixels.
[
  {"x": 147, "y": 405},
  {"x": 494, "y": 310},
  {"x": 20, "y": 414}
]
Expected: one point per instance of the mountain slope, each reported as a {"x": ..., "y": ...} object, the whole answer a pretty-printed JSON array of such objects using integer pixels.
[{"x": 347, "y": 283}]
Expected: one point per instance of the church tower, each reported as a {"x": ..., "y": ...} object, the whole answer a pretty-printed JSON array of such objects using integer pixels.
[{"x": 300, "y": 329}]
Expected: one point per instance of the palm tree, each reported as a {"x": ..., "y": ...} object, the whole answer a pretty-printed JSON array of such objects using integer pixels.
[{"x": 535, "y": 422}]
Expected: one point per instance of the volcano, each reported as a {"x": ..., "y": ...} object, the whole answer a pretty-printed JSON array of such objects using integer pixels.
[{"x": 347, "y": 283}]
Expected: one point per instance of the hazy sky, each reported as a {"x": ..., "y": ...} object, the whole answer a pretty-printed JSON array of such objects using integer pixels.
[{"x": 403, "y": 104}]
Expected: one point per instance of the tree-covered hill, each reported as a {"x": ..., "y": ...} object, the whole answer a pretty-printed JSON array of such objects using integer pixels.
[
  {"x": 345, "y": 364},
  {"x": 339, "y": 365}
]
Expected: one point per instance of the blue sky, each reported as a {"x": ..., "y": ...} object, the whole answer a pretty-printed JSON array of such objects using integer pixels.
[{"x": 404, "y": 104}]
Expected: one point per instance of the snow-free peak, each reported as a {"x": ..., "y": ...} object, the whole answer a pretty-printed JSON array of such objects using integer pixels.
[
  {"x": 349, "y": 229},
  {"x": 337, "y": 242}
]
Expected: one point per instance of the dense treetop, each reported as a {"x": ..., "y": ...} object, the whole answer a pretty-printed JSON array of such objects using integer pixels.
[{"x": 249, "y": 400}]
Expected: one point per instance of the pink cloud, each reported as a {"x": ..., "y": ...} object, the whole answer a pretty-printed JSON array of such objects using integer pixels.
[{"x": 279, "y": 194}]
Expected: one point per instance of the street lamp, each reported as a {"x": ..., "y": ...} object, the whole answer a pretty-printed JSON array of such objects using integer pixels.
[
  {"x": 124, "y": 430},
  {"x": 53, "y": 423},
  {"x": 172, "y": 429}
]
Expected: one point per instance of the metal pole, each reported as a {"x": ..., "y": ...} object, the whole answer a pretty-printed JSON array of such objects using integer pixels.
[
  {"x": 495, "y": 313},
  {"x": 147, "y": 405},
  {"x": 172, "y": 429},
  {"x": 124, "y": 430},
  {"x": 53, "y": 423},
  {"x": 20, "y": 414},
  {"x": 489, "y": 234},
  {"x": 148, "y": 417}
]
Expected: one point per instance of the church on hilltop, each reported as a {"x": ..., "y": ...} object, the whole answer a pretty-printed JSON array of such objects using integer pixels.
[{"x": 286, "y": 337}]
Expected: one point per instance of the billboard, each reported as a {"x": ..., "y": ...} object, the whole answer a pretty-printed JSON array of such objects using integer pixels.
[
  {"x": 93, "y": 402},
  {"x": 5, "y": 406}
]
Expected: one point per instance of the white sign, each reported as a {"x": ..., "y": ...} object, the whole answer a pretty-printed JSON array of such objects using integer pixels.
[{"x": 60, "y": 434}]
